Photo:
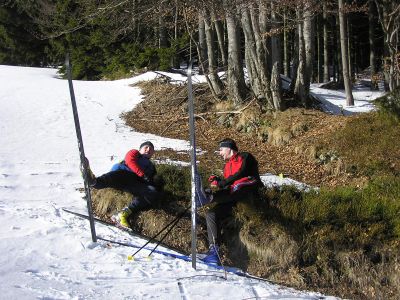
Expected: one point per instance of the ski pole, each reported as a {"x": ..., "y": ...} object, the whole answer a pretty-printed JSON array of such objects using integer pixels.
[
  {"x": 165, "y": 227},
  {"x": 165, "y": 235}
]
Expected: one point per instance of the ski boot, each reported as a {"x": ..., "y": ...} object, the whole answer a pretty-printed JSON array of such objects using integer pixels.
[
  {"x": 122, "y": 218},
  {"x": 90, "y": 176},
  {"x": 212, "y": 256}
]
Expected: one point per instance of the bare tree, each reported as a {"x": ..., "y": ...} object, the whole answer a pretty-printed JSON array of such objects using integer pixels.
[
  {"x": 219, "y": 28},
  {"x": 389, "y": 17},
  {"x": 301, "y": 89},
  {"x": 371, "y": 40},
  {"x": 202, "y": 46},
  {"x": 325, "y": 38},
  {"x": 215, "y": 81},
  {"x": 235, "y": 75},
  {"x": 276, "y": 85},
  {"x": 286, "y": 47},
  {"x": 344, "y": 50}
]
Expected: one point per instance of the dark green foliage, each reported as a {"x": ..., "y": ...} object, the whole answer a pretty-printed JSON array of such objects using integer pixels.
[
  {"x": 17, "y": 43},
  {"x": 390, "y": 105},
  {"x": 177, "y": 181},
  {"x": 101, "y": 43},
  {"x": 367, "y": 143},
  {"x": 375, "y": 206},
  {"x": 147, "y": 58}
]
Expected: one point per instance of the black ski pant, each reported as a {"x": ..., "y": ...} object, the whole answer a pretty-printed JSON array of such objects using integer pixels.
[
  {"x": 144, "y": 194},
  {"x": 225, "y": 202}
]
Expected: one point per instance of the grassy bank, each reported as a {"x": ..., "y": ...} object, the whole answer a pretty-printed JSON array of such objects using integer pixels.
[{"x": 342, "y": 238}]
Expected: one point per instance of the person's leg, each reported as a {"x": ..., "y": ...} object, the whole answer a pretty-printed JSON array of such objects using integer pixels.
[
  {"x": 120, "y": 179},
  {"x": 144, "y": 197},
  {"x": 225, "y": 202},
  {"x": 213, "y": 220}
]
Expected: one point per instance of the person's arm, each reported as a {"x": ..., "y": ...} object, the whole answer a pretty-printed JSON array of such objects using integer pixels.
[{"x": 131, "y": 160}]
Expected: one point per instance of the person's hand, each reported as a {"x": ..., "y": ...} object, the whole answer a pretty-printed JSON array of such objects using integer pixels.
[
  {"x": 213, "y": 178},
  {"x": 147, "y": 179}
]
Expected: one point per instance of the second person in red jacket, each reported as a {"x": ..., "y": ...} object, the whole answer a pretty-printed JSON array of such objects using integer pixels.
[{"x": 240, "y": 178}]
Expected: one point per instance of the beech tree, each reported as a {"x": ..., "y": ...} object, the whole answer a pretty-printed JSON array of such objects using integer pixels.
[
  {"x": 389, "y": 17},
  {"x": 344, "y": 52}
]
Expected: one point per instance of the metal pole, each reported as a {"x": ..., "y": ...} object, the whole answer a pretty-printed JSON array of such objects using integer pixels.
[
  {"x": 81, "y": 150},
  {"x": 193, "y": 163}
]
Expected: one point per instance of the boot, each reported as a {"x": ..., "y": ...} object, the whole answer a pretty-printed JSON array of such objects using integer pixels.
[
  {"x": 91, "y": 178},
  {"x": 122, "y": 217},
  {"x": 212, "y": 256}
]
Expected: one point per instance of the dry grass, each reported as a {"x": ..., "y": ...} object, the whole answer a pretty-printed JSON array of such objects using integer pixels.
[{"x": 107, "y": 202}]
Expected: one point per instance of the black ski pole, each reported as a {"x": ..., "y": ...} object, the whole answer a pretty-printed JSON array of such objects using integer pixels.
[
  {"x": 165, "y": 235},
  {"x": 165, "y": 227},
  {"x": 81, "y": 150}
]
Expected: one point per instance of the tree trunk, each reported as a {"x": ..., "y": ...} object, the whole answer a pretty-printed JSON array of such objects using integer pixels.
[
  {"x": 345, "y": 63},
  {"x": 326, "y": 55},
  {"x": 286, "y": 58},
  {"x": 389, "y": 17},
  {"x": 216, "y": 83},
  {"x": 349, "y": 47},
  {"x": 309, "y": 42},
  {"x": 162, "y": 31},
  {"x": 202, "y": 45},
  {"x": 338, "y": 53},
  {"x": 176, "y": 13},
  {"x": 264, "y": 28},
  {"x": 219, "y": 28},
  {"x": 371, "y": 40},
  {"x": 276, "y": 62},
  {"x": 251, "y": 55},
  {"x": 235, "y": 77},
  {"x": 300, "y": 92},
  {"x": 319, "y": 38},
  {"x": 295, "y": 62}
]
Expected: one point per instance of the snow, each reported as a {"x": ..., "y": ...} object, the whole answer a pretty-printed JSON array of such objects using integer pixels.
[
  {"x": 47, "y": 253},
  {"x": 334, "y": 101}
]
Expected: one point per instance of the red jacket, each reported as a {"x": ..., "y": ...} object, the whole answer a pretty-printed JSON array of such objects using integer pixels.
[
  {"x": 139, "y": 164},
  {"x": 241, "y": 170}
]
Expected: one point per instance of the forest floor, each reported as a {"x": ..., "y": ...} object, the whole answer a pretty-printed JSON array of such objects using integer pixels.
[{"x": 300, "y": 135}]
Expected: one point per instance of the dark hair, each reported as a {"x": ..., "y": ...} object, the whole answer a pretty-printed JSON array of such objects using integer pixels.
[
  {"x": 228, "y": 143},
  {"x": 147, "y": 143}
]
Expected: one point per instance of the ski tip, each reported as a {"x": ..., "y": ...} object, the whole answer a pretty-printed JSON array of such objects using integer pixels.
[{"x": 130, "y": 257}]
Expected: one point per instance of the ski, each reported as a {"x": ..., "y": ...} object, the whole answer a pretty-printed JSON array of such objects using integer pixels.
[{"x": 179, "y": 253}]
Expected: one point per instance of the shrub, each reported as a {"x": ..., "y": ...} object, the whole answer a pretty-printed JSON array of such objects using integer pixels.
[{"x": 389, "y": 104}]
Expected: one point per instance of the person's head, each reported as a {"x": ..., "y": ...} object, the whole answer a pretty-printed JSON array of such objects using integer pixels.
[
  {"x": 227, "y": 148},
  {"x": 147, "y": 149}
]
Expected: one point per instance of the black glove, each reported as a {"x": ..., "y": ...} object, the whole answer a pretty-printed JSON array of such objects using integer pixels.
[{"x": 147, "y": 180}]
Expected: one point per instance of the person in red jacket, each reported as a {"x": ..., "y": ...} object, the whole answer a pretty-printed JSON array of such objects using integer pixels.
[
  {"x": 240, "y": 178},
  {"x": 134, "y": 174}
]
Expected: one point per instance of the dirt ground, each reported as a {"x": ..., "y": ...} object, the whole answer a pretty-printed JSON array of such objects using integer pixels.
[{"x": 164, "y": 113}]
